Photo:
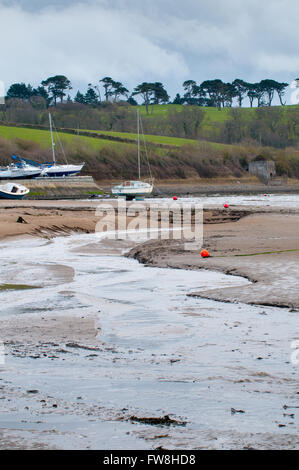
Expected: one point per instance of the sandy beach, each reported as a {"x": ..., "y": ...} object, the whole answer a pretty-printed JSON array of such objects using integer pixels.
[
  {"x": 263, "y": 248},
  {"x": 258, "y": 243},
  {"x": 75, "y": 321}
]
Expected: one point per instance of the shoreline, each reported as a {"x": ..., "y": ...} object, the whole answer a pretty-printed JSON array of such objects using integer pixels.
[
  {"x": 259, "y": 247},
  {"x": 249, "y": 241},
  {"x": 41, "y": 337}
]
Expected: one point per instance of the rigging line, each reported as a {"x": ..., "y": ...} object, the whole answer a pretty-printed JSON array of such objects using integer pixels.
[{"x": 60, "y": 143}]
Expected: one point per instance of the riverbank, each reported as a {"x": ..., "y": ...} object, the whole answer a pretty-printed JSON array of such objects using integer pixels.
[
  {"x": 212, "y": 186},
  {"x": 260, "y": 243},
  {"x": 262, "y": 247}
]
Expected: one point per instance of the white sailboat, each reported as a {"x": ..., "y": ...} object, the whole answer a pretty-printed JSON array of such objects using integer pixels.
[
  {"x": 135, "y": 189},
  {"x": 56, "y": 170}
]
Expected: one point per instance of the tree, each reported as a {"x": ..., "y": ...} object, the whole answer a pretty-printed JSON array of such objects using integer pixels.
[
  {"x": 160, "y": 94},
  {"x": 108, "y": 85},
  {"x": 280, "y": 89},
  {"x": 228, "y": 93},
  {"x": 187, "y": 122},
  {"x": 41, "y": 92},
  {"x": 234, "y": 129},
  {"x": 132, "y": 101},
  {"x": 215, "y": 91},
  {"x": 259, "y": 92},
  {"x": 267, "y": 127},
  {"x": 188, "y": 86},
  {"x": 20, "y": 91},
  {"x": 79, "y": 98},
  {"x": 269, "y": 87},
  {"x": 91, "y": 97},
  {"x": 178, "y": 99},
  {"x": 241, "y": 89},
  {"x": 147, "y": 91},
  {"x": 113, "y": 88},
  {"x": 57, "y": 86},
  {"x": 251, "y": 93},
  {"x": 118, "y": 90}
]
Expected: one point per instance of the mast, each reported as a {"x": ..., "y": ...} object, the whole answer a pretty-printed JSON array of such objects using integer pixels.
[
  {"x": 138, "y": 123},
  {"x": 52, "y": 140}
]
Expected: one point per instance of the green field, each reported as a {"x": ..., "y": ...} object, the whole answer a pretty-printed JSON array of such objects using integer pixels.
[
  {"x": 209, "y": 130},
  {"x": 158, "y": 139},
  {"x": 155, "y": 139},
  {"x": 43, "y": 138}
]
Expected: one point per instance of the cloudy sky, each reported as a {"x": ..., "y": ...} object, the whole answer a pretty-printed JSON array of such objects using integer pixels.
[{"x": 148, "y": 40}]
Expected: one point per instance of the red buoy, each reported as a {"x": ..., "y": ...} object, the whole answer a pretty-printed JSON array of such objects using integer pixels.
[
  {"x": 226, "y": 206},
  {"x": 204, "y": 254},
  {"x": 175, "y": 198}
]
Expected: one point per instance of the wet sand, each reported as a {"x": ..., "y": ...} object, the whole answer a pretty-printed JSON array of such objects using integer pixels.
[
  {"x": 74, "y": 330},
  {"x": 107, "y": 345},
  {"x": 260, "y": 243},
  {"x": 263, "y": 248}
]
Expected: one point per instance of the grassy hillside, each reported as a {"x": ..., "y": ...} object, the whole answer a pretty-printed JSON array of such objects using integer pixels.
[
  {"x": 212, "y": 114},
  {"x": 170, "y": 158},
  {"x": 153, "y": 139},
  {"x": 43, "y": 137},
  {"x": 268, "y": 126}
]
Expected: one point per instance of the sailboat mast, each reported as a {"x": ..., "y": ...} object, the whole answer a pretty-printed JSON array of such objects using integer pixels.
[
  {"x": 52, "y": 140},
  {"x": 138, "y": 131}
]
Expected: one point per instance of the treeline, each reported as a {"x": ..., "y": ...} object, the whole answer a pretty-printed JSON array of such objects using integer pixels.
[
  {"x": 210, "y": 93},
  {"x": 218, "y": 94},
  {"x": 119, "y": 117},
  {"x": 267, "y": 126},
  {"x": 276, "y": 127}
]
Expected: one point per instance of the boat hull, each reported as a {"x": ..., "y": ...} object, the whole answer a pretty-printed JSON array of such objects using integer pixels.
[
  {"x": 4, "y": 195},
  {"x": 13, "y": 191},
  {"x": 58, "y": 171},
  {"x": 133, "y": 189},
  {"x": 20, "y": 177}
]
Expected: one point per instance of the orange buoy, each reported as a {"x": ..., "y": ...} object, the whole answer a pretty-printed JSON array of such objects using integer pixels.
[
  {"x": 226, "y": 206},
  {"x": 204, "y": 254},
  {"x": 175, "y": 198}
]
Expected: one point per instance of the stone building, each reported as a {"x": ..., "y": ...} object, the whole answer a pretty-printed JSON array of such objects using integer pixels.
[{"x": 264, "y": 169}]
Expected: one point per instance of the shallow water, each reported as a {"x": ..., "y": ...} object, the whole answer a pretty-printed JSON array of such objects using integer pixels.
[
  {"x": 160, "y": 352},
  {"x": 272, "y": 200}
]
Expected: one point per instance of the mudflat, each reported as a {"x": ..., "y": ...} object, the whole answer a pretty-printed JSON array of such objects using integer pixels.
[
  {"x": 259, "y": 243},
  {"x": 95, "y": 325},
  {"x": 263, "y": 247}
]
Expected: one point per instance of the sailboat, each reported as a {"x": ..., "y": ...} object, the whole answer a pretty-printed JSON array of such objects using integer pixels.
[
  {"x": 54, "y": 169},
  {"x": 135, "y": 189}
]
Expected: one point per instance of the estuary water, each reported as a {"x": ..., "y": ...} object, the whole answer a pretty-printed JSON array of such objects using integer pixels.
[{"x": 222, "y": 372}]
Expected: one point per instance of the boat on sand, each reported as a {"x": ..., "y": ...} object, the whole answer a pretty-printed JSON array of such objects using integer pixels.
[{"x": 13, "y": 191}]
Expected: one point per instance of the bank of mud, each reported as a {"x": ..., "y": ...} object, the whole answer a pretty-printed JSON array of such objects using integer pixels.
[
  {"x": 110, "y": 354},
  {"x": 262, "y": 247}
]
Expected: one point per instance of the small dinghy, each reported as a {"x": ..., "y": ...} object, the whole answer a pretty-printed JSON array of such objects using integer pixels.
[{"x": 13, "y": 191}]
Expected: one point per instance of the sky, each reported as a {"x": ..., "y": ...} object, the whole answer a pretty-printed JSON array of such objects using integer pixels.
[{"x": 132, "y": 41}]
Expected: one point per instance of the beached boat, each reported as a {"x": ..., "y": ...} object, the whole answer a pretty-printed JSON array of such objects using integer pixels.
[
  {"x": 13, "y": 191},
  {"x": 19, "y": 171},
  {"x": 56, "y": 170},
  {"x": 135, "y": 189}
]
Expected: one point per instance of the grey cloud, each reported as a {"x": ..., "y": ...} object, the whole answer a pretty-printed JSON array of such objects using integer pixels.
[{"x": 165, "y": 40}]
